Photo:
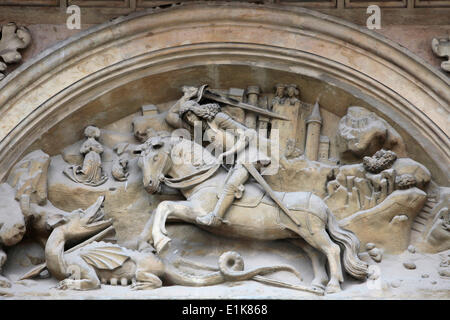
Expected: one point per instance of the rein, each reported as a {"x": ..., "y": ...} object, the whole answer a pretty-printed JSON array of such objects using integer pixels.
[{"x": 192, "y": 179}]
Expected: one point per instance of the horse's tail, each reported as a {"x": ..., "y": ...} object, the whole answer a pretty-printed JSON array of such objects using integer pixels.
[{"x": 352, "y": 264}]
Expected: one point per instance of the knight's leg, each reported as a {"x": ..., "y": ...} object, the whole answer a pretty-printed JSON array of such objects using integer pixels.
[{"x": 231, "y": 188}]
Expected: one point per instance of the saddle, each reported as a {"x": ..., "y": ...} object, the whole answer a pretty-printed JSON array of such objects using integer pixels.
[{"x": 254, "y": 194}]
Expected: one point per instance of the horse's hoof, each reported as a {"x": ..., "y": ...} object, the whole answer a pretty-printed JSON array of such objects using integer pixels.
[{"x": 333, "y": 288}]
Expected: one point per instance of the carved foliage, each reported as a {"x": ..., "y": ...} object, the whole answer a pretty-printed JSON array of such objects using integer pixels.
[
  {"x": 441, "y": 47},
  {"x": 12, "y": 39}
]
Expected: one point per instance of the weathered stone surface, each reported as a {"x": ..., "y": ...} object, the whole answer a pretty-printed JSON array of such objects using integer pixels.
[
  {"x": 12, "y": 39},
  {"x": 126, "y": 202},
  {"x": 12, "y": 223},
  {"x": 107, "y": 83},
  {"x": 431, "y": 231},
  {"x": 441, "y": 47},
  {"x": 409, "y": 265},
  {"x": 388, "y": 224},
  {"x": 362, "y": 133},
  {"x": 29, "y": 178}
]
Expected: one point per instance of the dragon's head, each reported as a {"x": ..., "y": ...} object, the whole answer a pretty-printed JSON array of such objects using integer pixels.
[{"x": 81, "y": 223}]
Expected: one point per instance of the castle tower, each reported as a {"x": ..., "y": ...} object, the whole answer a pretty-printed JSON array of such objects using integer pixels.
[
  {"x": 313, "y": 126},
  {"x": 287, "y": 130},
  {"x": 252, "y": 98},
  {"x": 324, "y": 149}
]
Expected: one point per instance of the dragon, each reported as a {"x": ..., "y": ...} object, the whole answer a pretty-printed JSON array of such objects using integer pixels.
[{"x": 89, "y": 266}]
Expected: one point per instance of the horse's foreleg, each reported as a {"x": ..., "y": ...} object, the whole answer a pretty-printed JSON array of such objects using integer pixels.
[
  {"x": 180, "y": 209},
  {"x": 145, "y": 239}
]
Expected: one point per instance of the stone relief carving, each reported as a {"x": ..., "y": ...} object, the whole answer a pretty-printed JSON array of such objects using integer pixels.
[
  {"x": 357, "y": 192},
  {"x": 12, "y": 39},
  {"x": 441, "y": 48},
  {"x": 362, "y": 133},
  {"x": 120, "y": 165},
  {"x": 97, "y": 262},
  {"x": 91, "y": 173}
]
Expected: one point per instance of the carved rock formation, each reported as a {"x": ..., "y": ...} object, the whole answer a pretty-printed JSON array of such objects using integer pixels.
[
  {"x": 388, "y": 225},
  {"x": 432, "y": 226},
  {"x": 12, "y": 225},
  {"x": 362, "y": 186},
  {"x": 29, "y": 178},
  {"x": 362, "y": 133}
]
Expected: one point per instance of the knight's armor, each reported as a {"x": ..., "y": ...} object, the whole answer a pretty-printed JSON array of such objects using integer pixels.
[{"x": 231, "y": 138}]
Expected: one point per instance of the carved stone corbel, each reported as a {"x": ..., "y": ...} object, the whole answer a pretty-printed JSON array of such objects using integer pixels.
[
  {"x": 12, "y": 39},
  {"x": 441, "y": 48}
]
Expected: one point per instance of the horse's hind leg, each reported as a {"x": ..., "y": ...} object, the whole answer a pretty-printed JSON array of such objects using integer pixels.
[
  {"x": 318, "y": 262},
  {"x": 332, "y": 251},
  {"x": 317, "y": 237}
]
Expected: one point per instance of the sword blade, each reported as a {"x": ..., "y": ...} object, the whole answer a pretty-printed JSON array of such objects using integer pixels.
[{"x": 235, "y": 103}]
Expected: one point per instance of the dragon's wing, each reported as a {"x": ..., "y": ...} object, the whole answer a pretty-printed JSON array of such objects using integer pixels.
[{"x": 105, "y": 257}]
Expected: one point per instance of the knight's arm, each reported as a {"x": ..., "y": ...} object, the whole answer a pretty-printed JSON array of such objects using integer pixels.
[
  {"x": 173, "y": 117},
  {"x": 242, "y": 142},
  {"x": 225, "y": 122}
]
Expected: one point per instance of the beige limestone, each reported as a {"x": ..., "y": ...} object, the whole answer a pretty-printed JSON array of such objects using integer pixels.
[{"x": 111, "y": 73}]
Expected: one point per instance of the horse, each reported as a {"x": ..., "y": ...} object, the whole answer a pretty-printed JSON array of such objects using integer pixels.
[{"x": 189, "y": 167}]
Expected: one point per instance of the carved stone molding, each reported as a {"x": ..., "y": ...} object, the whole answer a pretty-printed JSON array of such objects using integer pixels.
[
  {"x": 395, "y": 12},
  {"x": 75, "y": 73},
  {"x": 381, "y": 4}
]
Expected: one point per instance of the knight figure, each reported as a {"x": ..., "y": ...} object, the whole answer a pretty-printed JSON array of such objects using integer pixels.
[{"x": 233, "y": 139}]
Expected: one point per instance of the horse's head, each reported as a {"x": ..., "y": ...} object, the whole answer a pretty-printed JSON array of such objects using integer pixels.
[{"x": 155, "y": 162}]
